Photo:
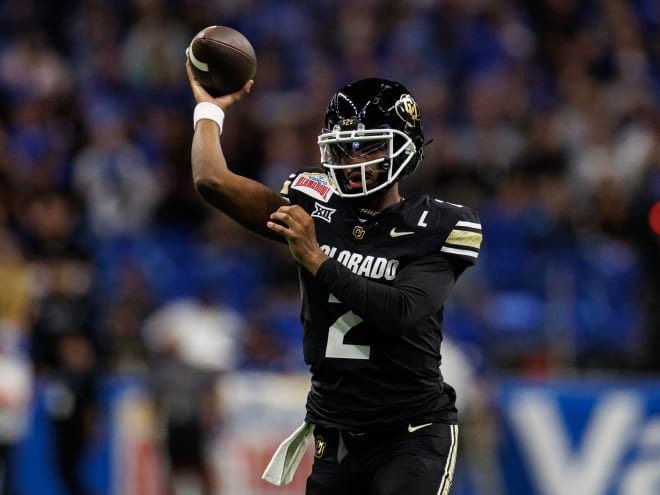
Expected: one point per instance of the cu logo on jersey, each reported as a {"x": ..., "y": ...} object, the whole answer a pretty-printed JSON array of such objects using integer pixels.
[
  {"x": 407, "y": 109},
  {"x": 358, "y": 232},
  {"x": 319, "y": 447}
]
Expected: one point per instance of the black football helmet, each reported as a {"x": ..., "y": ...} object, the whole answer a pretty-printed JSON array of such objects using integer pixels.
[{"x": 362, "y": 118}]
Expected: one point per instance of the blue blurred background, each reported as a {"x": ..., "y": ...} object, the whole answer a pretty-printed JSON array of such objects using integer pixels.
[{"x": 115, "y": 276}]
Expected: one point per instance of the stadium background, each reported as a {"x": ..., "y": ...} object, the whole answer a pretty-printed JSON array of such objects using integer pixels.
[{"x": 125, "y": 301}]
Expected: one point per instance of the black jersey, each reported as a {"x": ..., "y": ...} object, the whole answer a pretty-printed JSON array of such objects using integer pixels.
[{"x": 372, "y": 316}]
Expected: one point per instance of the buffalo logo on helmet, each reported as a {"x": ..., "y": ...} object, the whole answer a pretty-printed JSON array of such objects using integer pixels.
[{"x": 407, "y": 109}]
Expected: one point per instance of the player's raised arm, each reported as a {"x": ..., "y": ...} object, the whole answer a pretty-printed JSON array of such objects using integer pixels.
[{"x": 248, "y": 202}]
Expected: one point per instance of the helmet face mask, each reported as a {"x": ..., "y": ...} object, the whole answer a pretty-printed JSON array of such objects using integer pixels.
[
  {"x": 344, "y": 151},
  {"x": 373, "y": 130}
]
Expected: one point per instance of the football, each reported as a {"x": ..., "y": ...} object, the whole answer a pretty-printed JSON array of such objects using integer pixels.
[{"x": 222, "y": 59}]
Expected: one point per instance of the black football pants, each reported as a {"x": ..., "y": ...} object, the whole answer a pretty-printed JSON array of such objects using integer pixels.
[{"x": 412, "y": 460}]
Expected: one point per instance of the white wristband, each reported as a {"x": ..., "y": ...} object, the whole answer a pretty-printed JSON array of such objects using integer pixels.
[{"x": 210, "y": 111}]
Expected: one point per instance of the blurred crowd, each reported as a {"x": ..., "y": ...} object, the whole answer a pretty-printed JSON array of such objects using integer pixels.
[{"x": 543, "y": 115}]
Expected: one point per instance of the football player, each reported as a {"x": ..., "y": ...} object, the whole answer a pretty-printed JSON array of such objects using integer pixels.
[{"x": 375, "y": 269}]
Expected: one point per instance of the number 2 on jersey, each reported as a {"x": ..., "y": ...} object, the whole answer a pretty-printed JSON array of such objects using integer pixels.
[{"x": 336, "y": 348}]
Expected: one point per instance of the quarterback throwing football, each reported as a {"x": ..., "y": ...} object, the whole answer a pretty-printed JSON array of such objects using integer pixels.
[{"x": 375, "y": 271}]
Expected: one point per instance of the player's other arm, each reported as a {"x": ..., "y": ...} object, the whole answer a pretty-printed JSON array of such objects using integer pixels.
[
  {"x": 419, "y": 291},
  {"x": 420, "y": 288},
  {"x": 247, "y": 201}
]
